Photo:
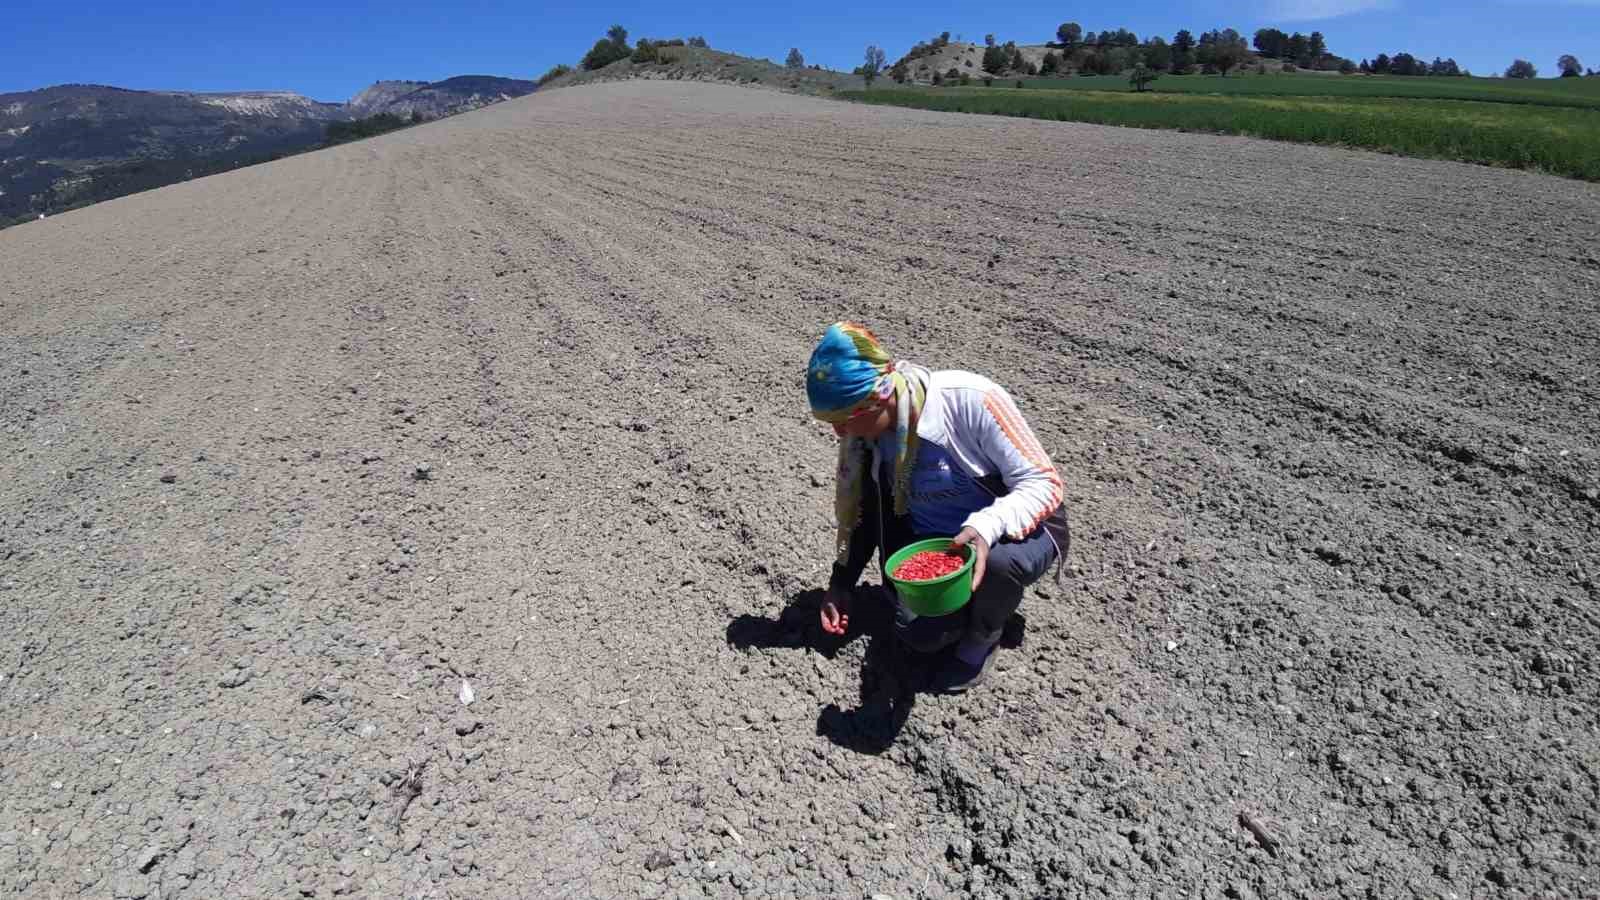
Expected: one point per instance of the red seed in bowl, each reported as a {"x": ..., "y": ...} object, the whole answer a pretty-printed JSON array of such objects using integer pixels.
[{"x": 928, "y": 565}]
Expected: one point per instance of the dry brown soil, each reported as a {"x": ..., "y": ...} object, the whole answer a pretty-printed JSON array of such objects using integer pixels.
[{"x": 515, "y": 398}]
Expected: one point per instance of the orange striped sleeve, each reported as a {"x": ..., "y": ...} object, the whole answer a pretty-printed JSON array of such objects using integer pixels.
[{"x": 1016, "y": 430}]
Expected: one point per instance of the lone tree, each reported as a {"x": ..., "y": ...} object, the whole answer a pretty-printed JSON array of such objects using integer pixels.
[
  {"x": 1223, "y": 49},
  {"x": 607, "y": 50},
  {"x": 795, "y": 60},
  {"x": 1569, "y": 66},
  {"x": 1269, "y": 42},
  {"x": 1070, "y": 35},
  {"x": 1142, "y": 76},
  {"x": 995, "y": 59},
  {"x": 1522, "y": 69},
  {"x": 873, "y": 64},
  {"x": 1182, "y": 51}
]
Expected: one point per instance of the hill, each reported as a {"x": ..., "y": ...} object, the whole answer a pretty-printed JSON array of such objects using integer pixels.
[
  {"x": 717, "y": 66},
  {"x": 68, "y": 145},
  {"x": 965, "y": 58}
]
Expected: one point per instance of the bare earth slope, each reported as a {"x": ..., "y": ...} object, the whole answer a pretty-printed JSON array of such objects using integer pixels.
[{"x": 1334, "y": 482}]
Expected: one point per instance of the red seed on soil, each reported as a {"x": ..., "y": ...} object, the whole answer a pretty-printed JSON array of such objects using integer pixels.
[{"x": 928, "y": 565}]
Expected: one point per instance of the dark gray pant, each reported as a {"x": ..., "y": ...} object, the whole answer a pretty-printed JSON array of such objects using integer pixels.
[{"x": 1013, "y": 565}]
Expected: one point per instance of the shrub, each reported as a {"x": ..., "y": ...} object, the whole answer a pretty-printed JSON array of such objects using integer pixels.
[
  {"x": 953, "y": 74},
  {"x": 556, "y": 71},
  {"x": 987, "y": 81},
  {"x": 1141, "y": 78},
  {"x": 698, "y": 42},
  {"x": 607, "y": 50},
  {"x": 1019, "y": 82},
  {"x": 646, "y": 53},
  {"x": 994, "y": 60},
  {"x": 965, "y": 79}
]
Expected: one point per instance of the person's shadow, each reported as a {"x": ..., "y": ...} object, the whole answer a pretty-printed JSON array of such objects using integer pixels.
[{"x": 890, "y": 674}]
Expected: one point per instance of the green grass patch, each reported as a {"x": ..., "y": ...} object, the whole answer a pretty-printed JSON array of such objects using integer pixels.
[
  {"x": 1559, "y": 140},
  {"x": 1581, "y": 93}
]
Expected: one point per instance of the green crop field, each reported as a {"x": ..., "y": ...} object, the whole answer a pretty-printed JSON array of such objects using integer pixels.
[
  {"x": 1562, "y": 140},
  {"x": 1583, "y": 93}
]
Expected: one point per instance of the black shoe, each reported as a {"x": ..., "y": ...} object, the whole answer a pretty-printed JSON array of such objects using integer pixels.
[{"x": 959, "y": 676}]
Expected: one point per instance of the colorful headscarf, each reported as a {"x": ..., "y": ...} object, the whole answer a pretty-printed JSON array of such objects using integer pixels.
[
  {"x": 846, "y": 370},
  {"x": 850, "y": 369}
]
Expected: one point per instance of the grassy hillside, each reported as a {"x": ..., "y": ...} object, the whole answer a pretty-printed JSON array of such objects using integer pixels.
[
  {"x": 704, "y": 64},
  {"x": 1582, "y": 93},
  {"x": 1560, "y": 140}
]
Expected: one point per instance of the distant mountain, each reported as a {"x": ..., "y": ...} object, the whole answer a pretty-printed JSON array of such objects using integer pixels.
[
  {"x": 439, "y": 98},
  {"x": 72, "y": 144},
  {"x": 372, "y": 101}
]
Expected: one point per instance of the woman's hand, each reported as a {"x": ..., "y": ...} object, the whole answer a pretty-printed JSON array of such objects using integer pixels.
[
  {"x": 836, "y": 612},
  {"x": 980, "y": 547}
]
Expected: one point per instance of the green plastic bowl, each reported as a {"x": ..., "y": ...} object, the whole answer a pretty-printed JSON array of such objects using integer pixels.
[{"x": 939, "y": 596}]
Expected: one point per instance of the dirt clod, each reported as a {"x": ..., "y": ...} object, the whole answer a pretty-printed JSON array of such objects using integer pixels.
[{"x": 656, "y": 860}]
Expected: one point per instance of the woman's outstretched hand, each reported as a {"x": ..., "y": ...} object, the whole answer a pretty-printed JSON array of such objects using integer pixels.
[
  {"x": 836, "y": 612},
  {"x": 980, "y": 547}
]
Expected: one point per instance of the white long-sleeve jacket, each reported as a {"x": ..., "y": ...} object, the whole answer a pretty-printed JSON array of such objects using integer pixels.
[{"x": 979, "y": 424}]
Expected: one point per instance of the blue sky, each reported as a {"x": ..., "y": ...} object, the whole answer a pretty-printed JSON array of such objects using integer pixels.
[{"x": 330, "y": 50}]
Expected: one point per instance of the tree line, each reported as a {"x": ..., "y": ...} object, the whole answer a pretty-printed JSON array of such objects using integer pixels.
[
  {"x": 1568, "y": 65},
  {"x": 1406, "y": 64},
  {"x": 371, "y": 126},
  {"x": 1218, "y": 51},
  {"x": 614, "y": 47}
]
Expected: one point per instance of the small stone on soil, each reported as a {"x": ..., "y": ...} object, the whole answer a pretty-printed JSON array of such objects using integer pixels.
[{"x": 147, "y": 858}]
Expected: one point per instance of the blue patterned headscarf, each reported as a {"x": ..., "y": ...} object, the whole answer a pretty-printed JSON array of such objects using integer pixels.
[
  {"x": 849, "y": 369},
  {"x": 846, "y": 369}
]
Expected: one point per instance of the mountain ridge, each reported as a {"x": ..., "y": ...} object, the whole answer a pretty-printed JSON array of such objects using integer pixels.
[{"x": 69, "y": 144}]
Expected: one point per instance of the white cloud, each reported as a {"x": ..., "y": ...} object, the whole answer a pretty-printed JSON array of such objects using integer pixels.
[{"x": 1299, "y": 10}]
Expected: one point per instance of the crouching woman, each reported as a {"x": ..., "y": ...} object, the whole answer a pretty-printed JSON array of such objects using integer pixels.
[{"x": 934, "y": 454}]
